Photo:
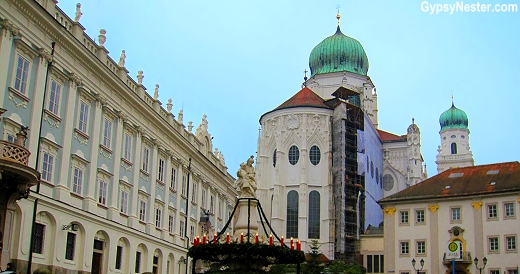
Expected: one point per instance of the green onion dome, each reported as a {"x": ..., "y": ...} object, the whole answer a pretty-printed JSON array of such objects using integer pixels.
[
  {"x": 453, "y": 118},
  {"x": 338, "y": 53}
]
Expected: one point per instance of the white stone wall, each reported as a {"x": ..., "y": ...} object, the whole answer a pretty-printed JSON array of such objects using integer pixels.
[{"x": 463, "y": 157}]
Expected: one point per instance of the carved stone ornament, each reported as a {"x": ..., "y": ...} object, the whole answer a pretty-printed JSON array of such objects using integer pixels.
[
  {"x": 433, "y": 208},
  {"x": 389, "y": 210},
  {"x": 476, "y": 205},
  {"x": 293, "y": 122},
  {"x": 5, "y": 24},
  {"x": 75, "y": 78}
]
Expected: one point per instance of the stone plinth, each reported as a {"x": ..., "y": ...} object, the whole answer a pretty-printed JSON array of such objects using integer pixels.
[{"x": 246, "y": 218}]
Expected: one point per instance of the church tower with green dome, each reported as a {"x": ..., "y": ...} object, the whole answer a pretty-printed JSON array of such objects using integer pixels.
[
  {"x": 454, "y": 150},
  {"x": 340, "y": 60}
]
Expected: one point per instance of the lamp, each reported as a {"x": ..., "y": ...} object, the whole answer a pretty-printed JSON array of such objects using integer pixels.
[
  {"x": 476, "y": 264},
  {"x": 71, "y": 226},
  {"x": 422, "y": 265}
]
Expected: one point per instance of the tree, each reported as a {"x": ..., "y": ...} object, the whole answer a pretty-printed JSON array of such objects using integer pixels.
[
  {"x": 356, "y": 268},
  {"x": 337, "y": 267},
  {"x": 314, "y": 264}
]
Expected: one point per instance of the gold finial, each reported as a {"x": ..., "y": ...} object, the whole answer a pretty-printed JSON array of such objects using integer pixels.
[
  {"x": 338, "y": 16},
  {"x": 452, "y": 100}
]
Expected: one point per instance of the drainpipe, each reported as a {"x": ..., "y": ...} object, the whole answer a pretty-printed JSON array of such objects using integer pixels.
[{"x": 35, "y": 209}]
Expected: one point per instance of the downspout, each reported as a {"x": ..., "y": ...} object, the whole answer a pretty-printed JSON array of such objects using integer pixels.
[
  {"x": 35, "y": 209},
  {"x": 187, "y": 215}
]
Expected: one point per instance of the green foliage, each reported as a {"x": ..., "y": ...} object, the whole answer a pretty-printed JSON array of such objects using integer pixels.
[
  {"x": 356, "y": 268},
  {"x": 314, "y": 264},
  {"x": 42, "y": 271},
  {"x": 337, "y": 267},
  {"x": 278, "y": 269}
]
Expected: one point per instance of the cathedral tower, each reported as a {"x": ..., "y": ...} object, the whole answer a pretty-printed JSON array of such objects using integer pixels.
[{"x": 454, "y": 150}]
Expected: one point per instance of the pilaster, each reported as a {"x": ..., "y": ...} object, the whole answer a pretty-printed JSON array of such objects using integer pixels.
[
  {"x": 90, "y": 202},
  {"x": 434, "y": 236},
  {"x": 134, "y": 200},
  {"x": 113, "y": 206},
  {"x": 150, "y": 224},
  {"x": 7, "y": 31}
]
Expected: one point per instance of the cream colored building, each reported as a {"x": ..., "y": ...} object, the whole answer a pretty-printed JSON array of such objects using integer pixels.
[
  {"x": 474, "y": 207},
  {"x": 123, "y": 181}
]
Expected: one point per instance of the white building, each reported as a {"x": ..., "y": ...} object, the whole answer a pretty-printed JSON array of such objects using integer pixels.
[
  {"x": 123, "y": 181},
  {"x": 474, "y": 207}
]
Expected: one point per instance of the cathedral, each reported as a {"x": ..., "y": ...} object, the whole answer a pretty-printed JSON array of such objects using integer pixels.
[{"x": 323, "y": 162}]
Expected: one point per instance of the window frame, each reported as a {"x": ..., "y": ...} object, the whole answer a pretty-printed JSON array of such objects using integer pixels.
[
  {"x": 420, "y": 216},
  {"x": 142, "y": 209},
  {"x": 402, "y": 246},
  {"x": 509, "y": 210},
  {"x": 24, "y": 79},
  {"x": 492, "y": 211},
  {"x": 78, "y": 177},
  {"x": 459, "y": 214},
  {"x": 83, "y": 115},
  {"x": 171, "y": 222},
  {"x": 420, "y": 245},
  {"x": 173, "y": 179},
  {"x": 127, "y": 148},
  {"x": 70, "y": 246},
  {"x": 39, "y": 238},
  {"x": 493, "y": 241},
  {"x": 292, "y": 214},
  {"x": 404, "y": 217},
  {"x": 158, "y": 216},
  {"x": 314, "y": 215},
  {"x": 108, "y": 125},
  {"x": 53, "y": 104},
  {"x": 508, "y": 244},
  {"x": 315, "y": 155},
  {"x": 47, "y": 172},
  {"x": 293, "y": 155},
  {"x": 124, "y": 198},
  {"x": 102, "y": 191}
]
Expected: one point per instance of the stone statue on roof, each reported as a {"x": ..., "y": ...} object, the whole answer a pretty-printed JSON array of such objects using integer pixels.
[
  {"x": 122, "y": 59},
  {"x": 78, "y": 12}
]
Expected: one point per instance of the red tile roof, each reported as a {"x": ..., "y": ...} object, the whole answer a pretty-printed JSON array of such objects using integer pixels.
[
  {"x": 390, "y": 137},
  {"x": 464, "y": 181},
  {"x": 303, "y": 98}
]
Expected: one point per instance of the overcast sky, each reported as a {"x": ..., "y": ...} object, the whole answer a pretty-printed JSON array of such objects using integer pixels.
[{"x": 236, "y": 60}]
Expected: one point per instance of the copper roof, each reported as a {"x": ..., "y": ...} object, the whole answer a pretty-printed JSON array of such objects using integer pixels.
[
  {"x": 464, "y": 181},
  {"x": 303, "y": 98},
  {"x": 390, "y": 137}
]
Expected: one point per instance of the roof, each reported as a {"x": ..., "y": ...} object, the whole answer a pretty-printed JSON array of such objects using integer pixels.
[
  {"x": 304, "y": 98},
  {"x": 453, "y": 118},
  {"x": 464, "y": 181},
  {"x": 390, "y": 137}
]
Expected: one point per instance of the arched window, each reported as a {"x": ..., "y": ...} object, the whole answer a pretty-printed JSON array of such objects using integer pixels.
[
  {"x": 314, "y": 155},
  {"x": 314, "y": 215},
  {"x": 292, "y": 214},
  {"x": 388, "y": 182},
  {"x": 294, "y": 155},
  {"x": 274, "y": 158},
  {"x": 453, "y": 148}
]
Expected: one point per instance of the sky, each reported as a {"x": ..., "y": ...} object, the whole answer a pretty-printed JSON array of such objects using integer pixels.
[{"x": 235, "y": 60}]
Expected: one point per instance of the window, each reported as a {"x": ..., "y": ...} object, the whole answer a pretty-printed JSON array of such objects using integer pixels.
[
  {"x": 69, "y": 247},
  {"x": 171, "y": 222},
  {"x": 181, "y": 228},
  {"x": 137, "y": 261},
  {"x": 83, "y": 116},
  {"x": 184, "y": 183},
  {"x": 192, "y": 232},
  {"x": 493, "y": 244},
  {"x": 314, "y": 215},
  {"x": 155, "y": 266},
  {"x": 158, "y": 214},
  {"x": 292, "y": 214},
  {"x": 494, "y": 271},
  {"x": 455, "y": 214},
  {"x": 128, "y": 146},
  {"x": 388, "y": 182},
  {"x": 314, "y": 155},
  {"x": 421, "y": 247},
  {"x": 274, "y": 158},
  {"x": 419, "y": 216},
  {"x": 48, "y": 161},
  {"x": 294, "y": 155},
  {"x": 492, "y": 211},
  {"x": 510, "y": 243},
  {"x": 211, "y": 204},
  {"x": 146, "y": 156},
  {"x": 78, "y": 181},
  {"x": 194, "y": 193},
  {"x": 119, "y": 256},
  {"x": 375, "y": 264},
  {"x": 107, "y": 133},
  {"x": 102, "y": 197},
  {"x": 405, "y": 248},
  {"x": 39, "y": 232},
  {"x": 22, "y": 71},
  {"x": 509, "y": 209},
  {"x": 453, "y": 148},
  {"x": 124, "y": 201},
  {"x": 404, "y": 216},
  {"x": 142, "y": 210},
  {"x": 220, "y": 209},
  {"x": 204, "y": 197},
  {"x": 160, "y": 175},
  {"x": 173, "y": 179},
  {"x": 54, "y": 98}
]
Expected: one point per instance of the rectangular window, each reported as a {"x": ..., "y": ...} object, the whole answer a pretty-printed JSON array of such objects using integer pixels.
[
  {"x": 419, "y": 216},
  {"x": 119, "y": 256},
  {"x": 509, "y": 210},
  {"x": 493, "y": 244},
  {"x": 160, "y": 175},
  {"x": 194, "y": 193},
  {"x": 510, "y": 243},
  {"x": 70, "y": 246},
  {"x": 124, "y": 202},
  {"x": 107, "y": 133},
  {"x": 421, "y": 247},
  {"x": 173, "y": 179},
  {"x": 137, "y": 261},
  {"x": 54, "y": 97},
  {"x": 102, "y": 197},
  {"x": 494, "y": 272},
  {"x": 48, "y": 161},
  {"x": 184, "y": 183},
  {"x": 78, "y": 181},
  {"x": 192, "y": 232},
  {"x": 405, "y": 248},
  {"x": 39, "y": 232},
  {"x": 171, "y": 223},
  {"x": 404, "y": 217},
  {"x": 128, "y": 146},
  {"x": 22, "y": 71},
  {"x": 220, "y": 209},
  {"x": 211, "y": 204},
  {"x": 455, "y": 214},
  {"x": 204, "y": 203},
  {"x": 158, "y": 214},
  {"x": 492, "y": 211},
  {"x": 181, "y": 228},
  {"x": 83, "y": 116},
  {"x": 142, "y": 210},
  {"x": 375, "y": 264},
  {"x": 146, "y": 156}
]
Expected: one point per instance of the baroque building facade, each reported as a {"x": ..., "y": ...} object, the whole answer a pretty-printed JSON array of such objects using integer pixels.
[
  {"x": 124, "y": 183},
  {"x": 323, "y": 163}
]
